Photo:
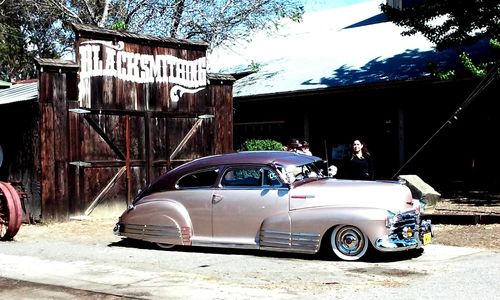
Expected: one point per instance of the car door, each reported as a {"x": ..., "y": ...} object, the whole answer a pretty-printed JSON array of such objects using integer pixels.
[
  {"x": 247, "y": 196},
  {"x": 194, "y": 192}
]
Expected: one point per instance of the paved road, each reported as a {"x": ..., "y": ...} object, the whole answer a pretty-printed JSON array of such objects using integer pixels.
[{"x": 43, "y": 268}]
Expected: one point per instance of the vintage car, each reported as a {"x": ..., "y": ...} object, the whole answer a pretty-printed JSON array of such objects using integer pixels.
[{"x": 274, "y": 200}]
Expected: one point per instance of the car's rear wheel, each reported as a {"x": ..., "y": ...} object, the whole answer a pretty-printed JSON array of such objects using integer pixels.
[{"x": 348, "y": 242}]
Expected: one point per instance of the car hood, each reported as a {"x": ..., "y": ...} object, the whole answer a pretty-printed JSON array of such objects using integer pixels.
[{"x": 351, "y": 193}]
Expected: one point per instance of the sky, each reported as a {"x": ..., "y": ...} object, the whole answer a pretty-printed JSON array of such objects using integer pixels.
[{"x": 315, "y": 5}]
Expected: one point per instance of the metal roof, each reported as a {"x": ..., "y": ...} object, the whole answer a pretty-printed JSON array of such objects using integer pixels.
[
  {"x": 19, "y": 92},
  {"x": 342, "y": 47}
]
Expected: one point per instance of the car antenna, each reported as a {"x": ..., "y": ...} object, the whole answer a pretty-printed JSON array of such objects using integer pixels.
[{"x": 326, "y": 157}]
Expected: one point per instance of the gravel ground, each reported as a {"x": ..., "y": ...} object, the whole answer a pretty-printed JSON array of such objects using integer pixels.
[
  {"x": 477, "y": 236},
  {"x": 468, "y": 206},
  {"x": 99, "y": 227},
  {"x": 100, "y": 230}
]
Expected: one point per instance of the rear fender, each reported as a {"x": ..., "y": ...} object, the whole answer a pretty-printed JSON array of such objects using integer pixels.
[{"x": 163, "y": 221}]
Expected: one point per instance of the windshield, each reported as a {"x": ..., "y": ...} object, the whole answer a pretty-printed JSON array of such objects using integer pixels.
[{"x": 293, "y": 173}]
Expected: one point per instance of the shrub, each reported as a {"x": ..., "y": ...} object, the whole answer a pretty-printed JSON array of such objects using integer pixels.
[{"x": 256, "y": 145}]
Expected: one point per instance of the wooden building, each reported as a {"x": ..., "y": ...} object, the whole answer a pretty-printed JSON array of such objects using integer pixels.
[
  {"x": 347, "y": 73},
  {"x": 130, "y": 108},
  {"x": 396, "y": 120}
]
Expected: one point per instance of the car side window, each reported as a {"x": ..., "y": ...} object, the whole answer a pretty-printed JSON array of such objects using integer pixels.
[
  {"x": 271, "y": 178},
  {"x": 244, "y": 176},
  {"x": 199, "y": 179},
  {"x": 250, "y": 177}
]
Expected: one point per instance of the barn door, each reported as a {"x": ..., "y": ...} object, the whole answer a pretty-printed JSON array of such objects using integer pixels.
[{"x": 114, "y": 153}]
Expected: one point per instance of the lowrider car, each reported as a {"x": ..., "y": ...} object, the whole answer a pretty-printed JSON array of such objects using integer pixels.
[{"x": 274, "y": 200}]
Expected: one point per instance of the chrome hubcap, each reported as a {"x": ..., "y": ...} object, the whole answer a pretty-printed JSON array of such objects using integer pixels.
[{"x": 349, "y": 241}]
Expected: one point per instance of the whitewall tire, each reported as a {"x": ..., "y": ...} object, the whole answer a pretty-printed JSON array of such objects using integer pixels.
[{"x": 348, "y": 242}]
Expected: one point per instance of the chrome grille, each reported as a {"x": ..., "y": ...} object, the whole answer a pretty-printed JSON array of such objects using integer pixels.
[{"x": 408, "y": 220}]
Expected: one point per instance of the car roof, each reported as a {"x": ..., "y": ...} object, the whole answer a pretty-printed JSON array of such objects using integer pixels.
[
  {"x": 285, "y": 158},
  {"x": 253, "y": 157}
]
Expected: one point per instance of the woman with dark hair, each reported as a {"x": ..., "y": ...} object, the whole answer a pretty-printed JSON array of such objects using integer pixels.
[{"x": 359, "y": 166}]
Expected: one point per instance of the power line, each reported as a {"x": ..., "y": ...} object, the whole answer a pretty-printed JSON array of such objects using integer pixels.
[{"x": 485, "y": 82}]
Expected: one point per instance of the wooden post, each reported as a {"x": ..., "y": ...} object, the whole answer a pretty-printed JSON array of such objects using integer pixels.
[{"x": 127, "y": 159}]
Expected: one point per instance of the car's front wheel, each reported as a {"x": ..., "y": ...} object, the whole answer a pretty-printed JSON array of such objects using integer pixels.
[{"x": 348, "y": 242}]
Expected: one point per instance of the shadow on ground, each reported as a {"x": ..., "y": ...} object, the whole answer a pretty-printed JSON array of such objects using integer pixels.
[
  {"x": 372, "y": 255},
  {"x": 473, "y": 198}
]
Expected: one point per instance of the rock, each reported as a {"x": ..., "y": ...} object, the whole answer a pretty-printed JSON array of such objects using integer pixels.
[{"x": 421, "y": 190}]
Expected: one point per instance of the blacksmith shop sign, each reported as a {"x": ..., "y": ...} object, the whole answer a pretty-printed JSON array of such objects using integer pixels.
[{"x": 104, "y": 58}]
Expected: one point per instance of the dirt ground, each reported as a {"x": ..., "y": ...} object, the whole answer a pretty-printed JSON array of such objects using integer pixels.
[
  {"x": 478, "y": 236},
  {"x": 100, "y": 230},
  {"x": 99, "y": 226}
]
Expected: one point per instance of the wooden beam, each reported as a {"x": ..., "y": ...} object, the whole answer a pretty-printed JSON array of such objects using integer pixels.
[
  {"x": 186, "y": 139},
  {"x": 127, "y": 159},
  {"x": 105, "y": 137},
  {"x": 104, "y": 191}
]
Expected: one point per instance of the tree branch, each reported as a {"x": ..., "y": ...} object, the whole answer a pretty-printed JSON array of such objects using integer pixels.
[
  {"x": 62, "y": 8},
  {"x": 105, "y": 13}
]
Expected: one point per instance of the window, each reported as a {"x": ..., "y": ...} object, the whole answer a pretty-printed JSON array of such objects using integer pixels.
[
  {"x": 271, "y": 178},
  {"x": 250, "y": 176},
  {"x": 199, "y": 179}
]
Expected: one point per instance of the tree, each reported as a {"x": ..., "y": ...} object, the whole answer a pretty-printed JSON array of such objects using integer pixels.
[
  {"x": 44, "y": 24},
  {"x": 27, "y": 32},
  {"x": 451, "y": 24},
  {"x": 212, "y": 21}
]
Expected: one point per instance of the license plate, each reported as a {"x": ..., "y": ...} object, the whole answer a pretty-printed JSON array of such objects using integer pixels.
[{"x": 427, "y": 238}]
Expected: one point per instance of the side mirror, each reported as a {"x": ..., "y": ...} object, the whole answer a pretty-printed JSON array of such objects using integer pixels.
[{"x": 332, "y": 171}]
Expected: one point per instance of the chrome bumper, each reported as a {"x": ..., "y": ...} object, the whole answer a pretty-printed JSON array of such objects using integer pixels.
[
  {"x": 386, "y": 244},
  {"x": 395, "y": 240},
  {"x": 116, "y": 230}
]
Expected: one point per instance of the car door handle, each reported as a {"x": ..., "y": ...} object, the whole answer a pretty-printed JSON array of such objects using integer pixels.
[{"x": 217, "y": 198}]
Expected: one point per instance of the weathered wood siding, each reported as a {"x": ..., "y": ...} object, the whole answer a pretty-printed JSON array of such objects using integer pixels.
[
  {"x": 103, "y": 138},
  {"x": 53, "y": 105},
  {"x": 221, "y": 91},
  {"x": 19, "y": 137}
]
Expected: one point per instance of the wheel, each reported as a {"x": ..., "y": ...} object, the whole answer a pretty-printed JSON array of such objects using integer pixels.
[
  {"x": 348, "y": 242},
  {"x": 165, "y": 246},
  {"x": 10, "y": 212}
]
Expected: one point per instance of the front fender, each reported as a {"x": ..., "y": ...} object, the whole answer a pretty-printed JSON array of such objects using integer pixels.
[
  {"x": 318, "y": 220},
  {"x": 160, "y": 221}
]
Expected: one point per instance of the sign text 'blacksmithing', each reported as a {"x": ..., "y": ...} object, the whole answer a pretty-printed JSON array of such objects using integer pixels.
[{"x": 137, "y": 67}]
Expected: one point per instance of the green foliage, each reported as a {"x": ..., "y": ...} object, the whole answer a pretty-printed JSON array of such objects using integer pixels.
[
  {"x": 27, "y": 32},
  {"x": 449, "y": 24},
  {"x": 442, "y": 75},
  {"x": 495, "y": 43},
  {"x": 119, "y": 25},
  {"x": 476, "y": 70},
  {"x": 446, "y": 75},
  {"x": 256, "y": 145},
  {"x": 254, "y": 66}
]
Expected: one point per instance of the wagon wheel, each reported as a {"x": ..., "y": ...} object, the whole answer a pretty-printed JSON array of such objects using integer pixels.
[
  {"x": 10, "y": 212},
  {"x": 348, "y": 242}
]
